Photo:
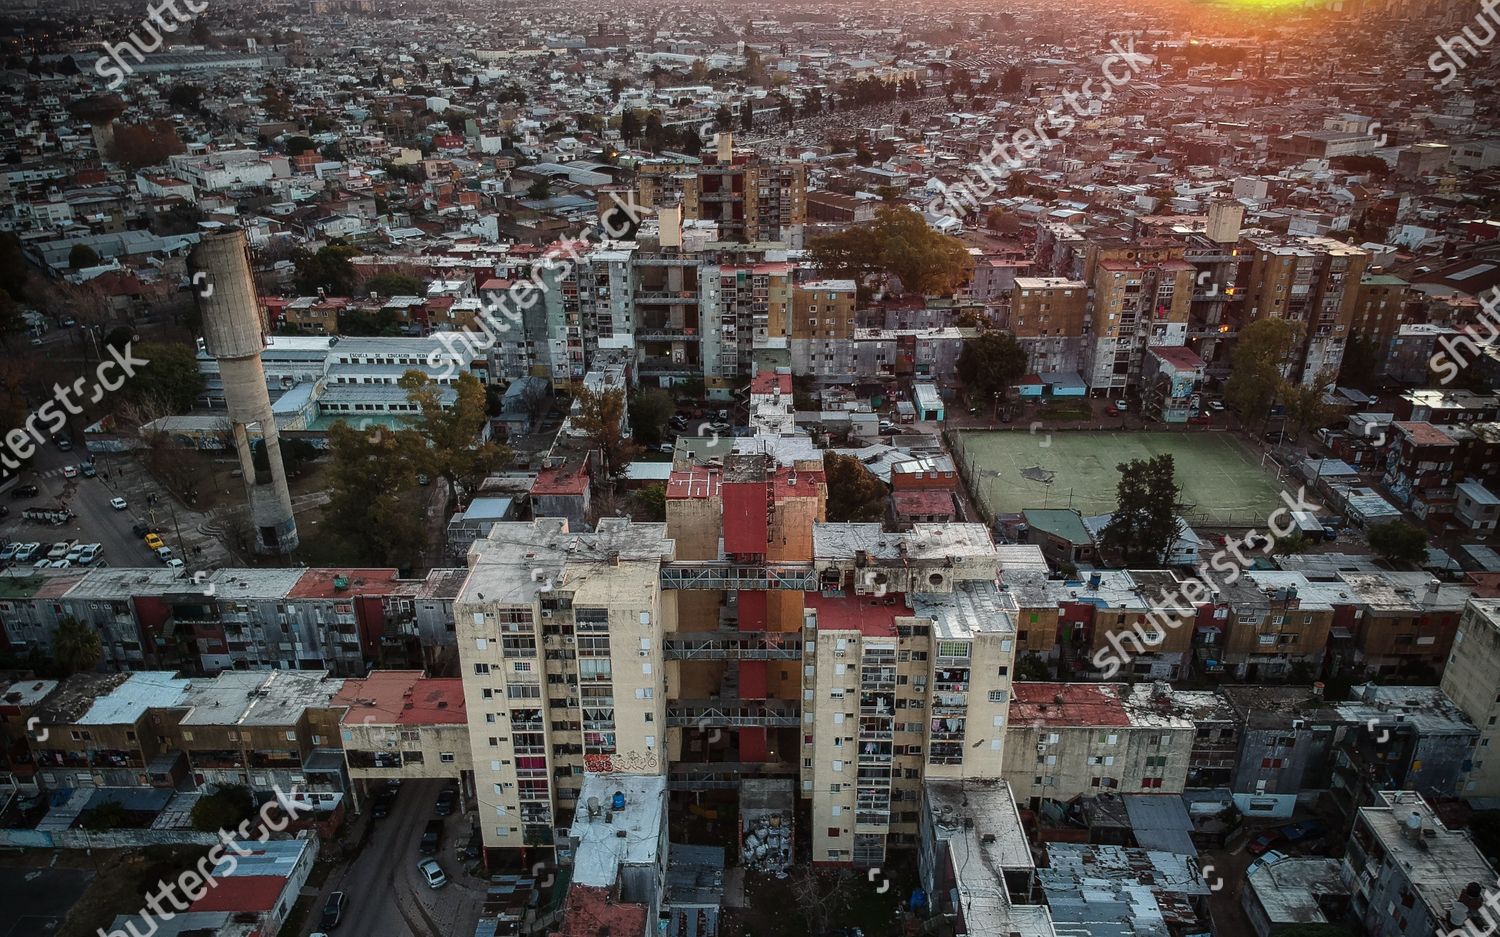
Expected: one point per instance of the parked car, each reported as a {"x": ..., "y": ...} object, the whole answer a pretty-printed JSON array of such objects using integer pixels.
[
  {"x": 70, "y": 471},
  {"x": 60, "y": 549},
  {"x": 446, "y": 800},
  {"x": 141, "y": 530},
  {"x": 118, "y": 504},
  {"x": 27, "y": 551},
  {"x": 1302, "y": 832},
  {"x": 1264, "y": 842},
  {"x": 8, "y": 552},
  {"x": 61, "y": 564},
  {"x": 1122, "y": 406},
  {"x": 1275, "y": 436},
  {"x": 1202, "y": 419},
  {"x": 174, "y": 563},
  {"x": 164, "y": 554},
  {"x": 88, "y": 470},
  {"x": 24, "y": 491},
  {"x": 380, "y": 807},
  {"x": 432, "y": 872},
  {"x": 432, "y": 838},
  {"x": 90, "y": 553},
  {"x": 333, "y": 910},
  {"x": 1216, "y": 405},
  {"x": 468, "y": 850},
  {"x": 63, "y": 443},
  {"x": 154, "y": 541}
]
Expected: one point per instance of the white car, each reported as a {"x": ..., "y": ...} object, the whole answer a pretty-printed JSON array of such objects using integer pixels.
[
  {"x": 433, "y": 873},
  {"x": 174, "y": 563},
  {"x": 89, "y": 553},
  {"x": 26, "y": 551},
  {"x": 1122, "y": 405},
  {"x": 164, "y": 553},
  {"x": 118, "y": 504},
  {"x": 41, "y": 563},
  {"x": 70, "y": 471},
  {"x": 62, "y": 564}
]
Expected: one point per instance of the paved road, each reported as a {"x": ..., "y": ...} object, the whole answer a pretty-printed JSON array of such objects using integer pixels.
[
  {"x": 96, "y": 521},
  {"x": 386, "y": 896}
]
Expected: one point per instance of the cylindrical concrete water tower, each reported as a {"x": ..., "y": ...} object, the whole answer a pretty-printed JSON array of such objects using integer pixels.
[{"x": 234, "y": 334}]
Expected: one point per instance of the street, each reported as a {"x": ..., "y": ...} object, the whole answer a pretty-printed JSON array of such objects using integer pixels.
[
  {"x": 96, "y": 521},
  {"x": 387, "y": 897}
]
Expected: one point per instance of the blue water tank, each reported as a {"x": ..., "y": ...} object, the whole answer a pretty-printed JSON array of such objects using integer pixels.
[{"x": 618, "y": 803}]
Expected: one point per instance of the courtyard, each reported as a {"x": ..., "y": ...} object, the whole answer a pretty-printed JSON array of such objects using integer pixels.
[{"x": 1221, "y": 479}]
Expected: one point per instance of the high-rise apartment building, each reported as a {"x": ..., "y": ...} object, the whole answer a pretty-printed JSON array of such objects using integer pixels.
[
  {"x": 1311, "y": 280},
  {"x": 1472, "y": 679}
]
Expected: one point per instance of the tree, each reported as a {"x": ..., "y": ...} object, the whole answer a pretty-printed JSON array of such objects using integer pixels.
[
  {"x": 372, "y": 475},
  {"x": 724, "y": 119},
  {"x": 747, "y": 116},
  {"x": 75, "y": 646},
  {"x": 539, "y": 190},
  {"x": 1033, "y": 668},
  {"x": 185, "y": 97},
  {"x": 1399, "y": 542},
  {"x": 692, "y": 144},
  {"x": 454, "y": 451},
  {"x": 899, "y": 243},
  {"x": 653, "y": 501},
  {"x": 1307, "y": 406},
  {"x": 1258, "y": 368},
  {"x": 630, "y": 126},
  {"x": 13, "y": 269},
  {"x": 1362, "y": 364},
  {"x": 82, "y": 256},
  {"x": 600, "y": 417},
  {"x": 1144, "y": 525},
  {"x": 224, "y": 809},
  {"x": 170, "y": 377},
  {"x": 329, "y": 270},
  {"x": 990, "y": 363},
  {"x": 393, "y": 284},
  {"x": 140, "y": 145},
  {"x": 649, "y": 411},
  {"x": 853, "y": 493}
]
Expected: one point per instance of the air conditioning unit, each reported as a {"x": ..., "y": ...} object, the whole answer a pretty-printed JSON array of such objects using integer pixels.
[
  {"x": 1041, "y": 746},
  {"x": 546, "y": 613},
  {"x": 919, "y": 689}
]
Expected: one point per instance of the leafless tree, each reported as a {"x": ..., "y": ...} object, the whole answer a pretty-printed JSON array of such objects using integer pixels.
[{"x": 820, "y": 894}]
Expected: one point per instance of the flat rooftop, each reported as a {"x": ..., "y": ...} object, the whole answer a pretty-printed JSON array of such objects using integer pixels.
[
  {"x": 143, "y": 690},
  {"x": 601, "y": 850},
  {"x": 1068, "y": 704},
  {"x": 402, "y": 697},
  {"x": 259, "y": 697}
]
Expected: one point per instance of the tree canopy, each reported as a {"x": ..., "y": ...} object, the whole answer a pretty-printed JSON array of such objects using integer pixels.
[
  {"x": 853, "y": 493},
  {"x": 1399, "y": 542},
  {"x": 453, "y": 449},
  {"x": 990, "y": 363},
  {"x": 1262, "y": 356},
  {"x": 1144, "y": 525},
  {"x": 329, "y": 269},
  {"x": 171, "y": 378},
  {"x": 75, "y": 646},
  {"x": 600, "y": 417},
  {"x": 899, "y": 243}
]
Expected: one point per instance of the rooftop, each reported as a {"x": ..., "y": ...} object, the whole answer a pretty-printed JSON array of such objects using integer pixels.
[
  {"x": 259, "y": 697},
  {"x": 608, "y": 837},
  {"x": 128, "y": 702},
  {"x": 402, "y": 697},
  {"x": 1439, "y": 865}
]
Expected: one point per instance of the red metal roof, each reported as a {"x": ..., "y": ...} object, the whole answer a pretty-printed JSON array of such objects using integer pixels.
[
  {"x": 402, "y": 697},
  {"x": 324, "y": 583},
  {"x": 237, "y": 893},
  {"x": 869, "y": 615},
  {"x": 589, "y": 912},
  {"x": 1067, "y": 704}
]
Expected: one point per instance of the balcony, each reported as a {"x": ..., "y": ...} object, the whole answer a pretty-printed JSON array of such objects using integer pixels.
[
  {"x": 720, "y": 576},
  {"x": 732, "y": 645},
  {"x": 655, "y": 333},
  {"x": 710, "y": 713},
  {"x": 667, "y": 297}
]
